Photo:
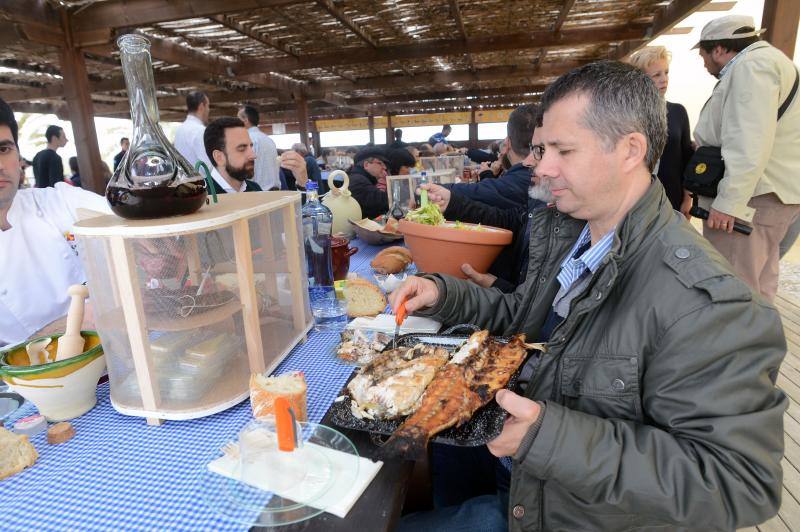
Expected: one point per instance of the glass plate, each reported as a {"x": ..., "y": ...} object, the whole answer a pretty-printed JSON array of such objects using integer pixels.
[{"x": 307, "y": 487}]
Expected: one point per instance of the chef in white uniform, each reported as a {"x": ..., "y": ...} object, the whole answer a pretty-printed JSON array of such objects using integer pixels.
[{"x": 38, "y": 257}]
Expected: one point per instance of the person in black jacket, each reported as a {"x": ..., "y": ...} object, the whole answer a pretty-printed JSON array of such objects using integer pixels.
[
  {"x": 369, "y": 166},
  {"x": 654, "y": 61},
  {"x": 511, "y": 189},
  {"x": 511, "y": 266},
  {"x": 48, "y": 168}
]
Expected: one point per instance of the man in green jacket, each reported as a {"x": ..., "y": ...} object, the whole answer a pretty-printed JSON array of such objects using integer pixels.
[{"x": 654, "y": 405}]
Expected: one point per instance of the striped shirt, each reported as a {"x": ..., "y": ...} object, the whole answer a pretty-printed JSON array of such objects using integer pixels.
[{"x": 577, "y": 264}]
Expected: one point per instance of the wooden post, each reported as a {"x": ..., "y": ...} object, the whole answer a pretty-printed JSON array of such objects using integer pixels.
[
  {"x": 127, "y": 278},
  {"x": 81, "y": 111},
  {"x": 247, "y": 294},
  {"x": 780, "y": 18},
  {"x": 315, "y": 140},
  {"x": 293, "y": 244},
  {"x": 302, "y": 119},
  {"x": 473, "y": 131},
  {"x": 371, "y": 126},
  {"x": 389, "y": 129}
]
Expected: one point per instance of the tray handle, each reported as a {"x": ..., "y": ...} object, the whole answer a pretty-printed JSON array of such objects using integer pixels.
[
  {"x": 378, "y": 439},
  {"x": 461, "y": 326}
]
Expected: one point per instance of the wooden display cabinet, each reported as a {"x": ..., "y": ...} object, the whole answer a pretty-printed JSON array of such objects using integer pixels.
[{"x": 187, "y": 307}]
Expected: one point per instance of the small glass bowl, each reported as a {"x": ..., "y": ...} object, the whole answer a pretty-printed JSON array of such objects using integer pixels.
[{"x": 390, "y": 282}]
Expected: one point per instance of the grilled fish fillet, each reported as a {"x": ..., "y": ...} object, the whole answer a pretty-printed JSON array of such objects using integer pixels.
[
  {"x": 471, "y": 379},
  {"x": 392, "y": 386}
]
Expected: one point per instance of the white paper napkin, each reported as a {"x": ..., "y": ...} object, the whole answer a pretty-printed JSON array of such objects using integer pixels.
[
  {"x": 385, "y": 323},
  {"x": 337, "y": 500}
]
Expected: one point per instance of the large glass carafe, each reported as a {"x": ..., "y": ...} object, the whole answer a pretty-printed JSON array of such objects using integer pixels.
[{"x": 153, "y": 180}]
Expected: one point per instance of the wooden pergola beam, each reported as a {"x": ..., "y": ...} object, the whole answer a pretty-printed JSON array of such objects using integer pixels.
[
  {"x": 780, "y": 18},
  {"x": 125, "y": 13},
  {"x": 170, "y": 77},
  {"x": 247, "y": 32},
  {"x": 455, "y": 11},
  {"x": 37, "y": 12},
  {"x": 510, "y": 73},
  {"x": 171, "y": 52},
  {"x": 347, "y": 21},
  {"x": 664, "y": 20},
  {"x": 519, "y": 91},
  {"x": 439, "y": 48},
  {"x": 562, "y": 15},
  {"x": 718, "y": 6}
]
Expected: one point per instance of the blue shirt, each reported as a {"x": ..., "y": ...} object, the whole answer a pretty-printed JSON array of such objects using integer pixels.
[
  {"x": 436, "y": 138},
  {"x": 576, "y": 264},
  {"x": 578, "y": 267}
]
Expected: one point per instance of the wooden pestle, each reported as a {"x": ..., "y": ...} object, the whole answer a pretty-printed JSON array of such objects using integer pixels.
[{"x": 71, "y": 343}]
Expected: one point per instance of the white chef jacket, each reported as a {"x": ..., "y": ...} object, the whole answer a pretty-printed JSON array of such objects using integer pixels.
[
  {"x": 38, "y": 261},
  {"x": 266, "y": 173},
  {"x": 189, "y": 141}
]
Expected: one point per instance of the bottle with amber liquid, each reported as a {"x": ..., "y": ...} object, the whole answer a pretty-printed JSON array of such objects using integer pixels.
[{"x": 153, "y": 180}]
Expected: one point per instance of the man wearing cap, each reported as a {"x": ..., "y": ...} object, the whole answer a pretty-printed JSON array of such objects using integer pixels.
[
  {"x": 762, "y": 162},
  {"x": 370, "y": 167}
]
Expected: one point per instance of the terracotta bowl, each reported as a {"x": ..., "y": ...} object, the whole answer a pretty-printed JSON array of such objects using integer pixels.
[
  {"x": 60, "y": 390},
  {"x": 444, "y": 248}
]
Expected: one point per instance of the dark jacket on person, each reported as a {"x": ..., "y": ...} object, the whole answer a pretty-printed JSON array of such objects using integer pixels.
[
  {"x": 118, "y": 158},
  {"x": 506, "y": 192},
  {"x": 480, "y": 156},
  {"x": 676, "y": 153},
  {"x": 314, "y": 172},
  {"x": 249, "y": 186},
  {"x": 511, "y": 266},
  {"x": 660, "y": 405},
  {"x": 48, "y": 168},
  {"x": 363, "y": 187}
]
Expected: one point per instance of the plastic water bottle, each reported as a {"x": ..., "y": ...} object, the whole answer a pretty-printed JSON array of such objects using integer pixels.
[
  {"x": 423, "y": 180},
  {"x": 329, "y": 312}
]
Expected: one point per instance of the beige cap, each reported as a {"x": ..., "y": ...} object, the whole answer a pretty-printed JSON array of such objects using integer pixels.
[{"x": 723, "y": 28}]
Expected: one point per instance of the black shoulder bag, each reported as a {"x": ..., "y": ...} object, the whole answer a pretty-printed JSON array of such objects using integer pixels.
[{"x": 707, "y": 167}]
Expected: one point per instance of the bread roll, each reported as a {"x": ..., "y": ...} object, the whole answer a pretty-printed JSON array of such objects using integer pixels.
[
  {"x": 363, "y": 298},
  {"x": 60, "y": 433},
  {"x": 264, "y": 390},
  {"x": 393, "y": 259},
  {"x": 16, "y": 453}
]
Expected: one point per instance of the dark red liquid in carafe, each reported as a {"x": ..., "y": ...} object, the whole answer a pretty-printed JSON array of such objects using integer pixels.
[{"x": 157, "y": 202}]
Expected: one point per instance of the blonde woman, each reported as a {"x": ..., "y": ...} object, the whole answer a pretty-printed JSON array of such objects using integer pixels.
[{"x": 654, "y": 61}]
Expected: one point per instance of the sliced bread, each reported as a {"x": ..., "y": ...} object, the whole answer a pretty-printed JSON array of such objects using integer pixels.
[
  {"x": 16, "y": 453},
  {"x": 264, "y": 390},
  {"x": 363, "y": 298}
]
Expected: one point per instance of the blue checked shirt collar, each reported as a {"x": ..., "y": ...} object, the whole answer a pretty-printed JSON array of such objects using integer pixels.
[
  {"x": 573, "y": 267},
  {"x": 733, "y": 60}
]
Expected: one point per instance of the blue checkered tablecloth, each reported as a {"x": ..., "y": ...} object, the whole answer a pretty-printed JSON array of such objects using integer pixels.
[{"x": 120, "y": 473}]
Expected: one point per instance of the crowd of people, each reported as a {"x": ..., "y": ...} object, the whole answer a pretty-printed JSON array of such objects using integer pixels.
[{"x": 655, "y": 403}]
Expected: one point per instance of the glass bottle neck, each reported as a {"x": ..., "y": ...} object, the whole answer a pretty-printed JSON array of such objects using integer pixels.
[
  {"x": 312, "y": 195},
  {"x": 138, "y": 70}
]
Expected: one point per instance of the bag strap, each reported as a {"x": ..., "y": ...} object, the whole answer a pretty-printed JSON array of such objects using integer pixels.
[{"x": 782, "y": 109}]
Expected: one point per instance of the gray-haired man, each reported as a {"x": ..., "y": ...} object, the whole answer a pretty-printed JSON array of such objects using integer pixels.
[{"x": 653, "y": 405}]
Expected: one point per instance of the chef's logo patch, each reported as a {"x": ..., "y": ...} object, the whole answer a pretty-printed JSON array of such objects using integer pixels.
[
  {"x": 700, "y": 168},
  {"x": 70, "y": 238}
]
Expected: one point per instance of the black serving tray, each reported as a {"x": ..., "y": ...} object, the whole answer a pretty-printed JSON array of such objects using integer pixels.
[{"x": 484, "y": 426}]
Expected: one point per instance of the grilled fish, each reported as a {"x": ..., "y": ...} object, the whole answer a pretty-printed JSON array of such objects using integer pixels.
[
  {"x": 469, "y": 381},
  {"x": 392, "y": 386}
]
